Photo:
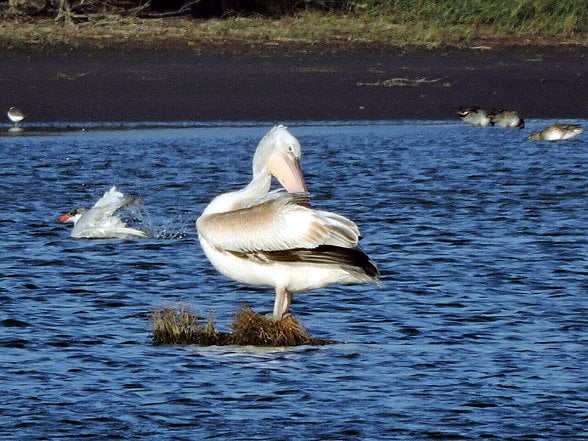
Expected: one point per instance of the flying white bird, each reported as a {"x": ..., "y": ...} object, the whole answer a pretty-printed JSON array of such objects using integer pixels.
[{"x": 100, "y": 221}]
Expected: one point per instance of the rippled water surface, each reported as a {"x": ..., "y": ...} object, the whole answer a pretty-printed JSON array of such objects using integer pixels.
[{"x": 479, "y": 331}]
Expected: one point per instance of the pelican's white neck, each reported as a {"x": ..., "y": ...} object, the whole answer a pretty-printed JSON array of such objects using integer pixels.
[
  {"x": 275, "y": 143},
  {"x": 235, "y": 200}
]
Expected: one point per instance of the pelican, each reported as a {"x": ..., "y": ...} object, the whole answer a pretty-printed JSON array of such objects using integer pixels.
[
  {"x": 100, "y": 221},
  {"x": 276, "y": 239},
  {"x": 556, "y": 132}
]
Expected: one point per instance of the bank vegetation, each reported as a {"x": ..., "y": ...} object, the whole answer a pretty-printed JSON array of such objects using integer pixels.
[{"x": 428, "y": 23}]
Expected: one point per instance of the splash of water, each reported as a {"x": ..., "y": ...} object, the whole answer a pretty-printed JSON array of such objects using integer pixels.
[{"x": 138, "y": 216}]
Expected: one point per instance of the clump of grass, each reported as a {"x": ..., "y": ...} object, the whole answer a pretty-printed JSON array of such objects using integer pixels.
[
  {"x": 251, "y": 328},
  {"x": 180, "y": 326}
]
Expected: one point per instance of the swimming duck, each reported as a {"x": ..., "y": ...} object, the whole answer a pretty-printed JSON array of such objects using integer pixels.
[
  {"x": 557, "y": 132},
  {"x": 507, "y": 119},
  {"x": 474, "y": 116}
]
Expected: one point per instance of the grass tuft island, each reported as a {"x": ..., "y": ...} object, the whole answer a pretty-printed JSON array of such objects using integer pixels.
[{"x": 180, "y": 326}]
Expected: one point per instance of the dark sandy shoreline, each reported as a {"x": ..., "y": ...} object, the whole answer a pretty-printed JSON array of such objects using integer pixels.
[{"x": 289, "y": 83}]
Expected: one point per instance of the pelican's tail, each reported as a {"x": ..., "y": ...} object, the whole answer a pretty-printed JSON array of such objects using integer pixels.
[{"x": 352, "y": 260}]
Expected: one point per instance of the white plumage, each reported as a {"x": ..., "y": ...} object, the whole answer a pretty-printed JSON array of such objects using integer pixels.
[
  {"x": 100, "y": 221},
  {"x": 557, "y": 132},
  {"x": 275, "y": 238}
]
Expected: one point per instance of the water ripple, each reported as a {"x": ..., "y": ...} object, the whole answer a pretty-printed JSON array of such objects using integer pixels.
[{"x": 478, "y": 333}]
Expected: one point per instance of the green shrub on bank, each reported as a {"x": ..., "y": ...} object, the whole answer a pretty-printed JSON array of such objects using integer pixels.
[
  {"x": 389, "y": 22},
  {"x": 522, "y": 16}
]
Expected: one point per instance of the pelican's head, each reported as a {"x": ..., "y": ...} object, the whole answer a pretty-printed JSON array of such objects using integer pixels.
[
  {"x": 278, "y": 154},
  {"x": 72, "y": 216}
]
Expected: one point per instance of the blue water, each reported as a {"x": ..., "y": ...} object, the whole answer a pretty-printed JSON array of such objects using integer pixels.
[{"x": 480, "y": 330}]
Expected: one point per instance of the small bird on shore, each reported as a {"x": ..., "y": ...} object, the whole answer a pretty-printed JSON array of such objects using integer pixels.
[
  {"x": 556, "y": 132},
  {"x": 474, "y": 116},
  {"x": 507, "y": 119},
  {"x": 15, "y": 115}
]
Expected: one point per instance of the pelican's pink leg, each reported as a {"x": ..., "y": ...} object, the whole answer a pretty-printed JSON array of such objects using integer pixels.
[{"x": 282, "y": 303}]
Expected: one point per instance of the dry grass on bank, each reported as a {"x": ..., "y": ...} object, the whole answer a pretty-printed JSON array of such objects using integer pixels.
[
  {"x": 180, "y": 326},
  {"x": 311, "y": 28}
]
